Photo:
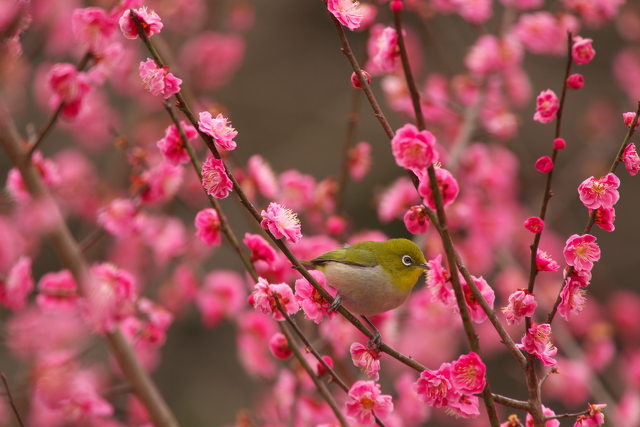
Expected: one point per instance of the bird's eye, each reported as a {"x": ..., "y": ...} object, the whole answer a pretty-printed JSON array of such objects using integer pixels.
[{"x": 407, "y": 260}]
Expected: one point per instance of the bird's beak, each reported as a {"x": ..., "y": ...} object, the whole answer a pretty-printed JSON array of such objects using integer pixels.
[{"x": 425, "y": 266}]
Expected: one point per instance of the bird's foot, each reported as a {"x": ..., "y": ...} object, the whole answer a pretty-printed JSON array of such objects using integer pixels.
[
  {"x": 376, "y": 340},
  {"x": 335, "y": 304}
]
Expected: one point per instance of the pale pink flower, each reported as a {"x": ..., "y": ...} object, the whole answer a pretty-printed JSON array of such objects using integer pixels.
[
  {"x": 347, "y": 12},
  {"x": 355, "y": 81},
  {"x": 544, "y": 33},
  {"x": 69, "y": 87},
  {"x": 279, "y": 346},
  {"x": 254, "y": 331},
  {"x": 260, "y": 249},
  {"x": 602, "y": 192},
  {"x": 47, "y": 169},
  {"x": 173, "y": 147},
  {"x": 366, "y": 359},
  {"x": 120, "y": 217},
  {"x": 57, "y": 291},
  {"x": 628, "y": 119},
  {"x": 463, "y": 405},
  {"x": 162, "y": 182},
  {"x": 219, "y": 128},
  {"x": 593, "y": 418},
  {"x": 521, "y": 304},
  {"x": 544, "y": 262},
  {"x": 262, "y": 176},
  {"x": 158, "y": 81},
  {"x": 382, "y": 49},
  {"x": 475, "y": 11},
  {"x": 93, "y": 27},
  {"x": 17, "y": 286},
  {"x": 151, "y": 23},
  {"x": 547, "y": 105},
  {"x": 296, "y": 189},
  {"x": 476, "y": 312},
  {"x": 311, "y": 301},
  {"x": 604, "y": 218},
  {"x": 208, "y": 227},
  {"x": 468, "y": 374},
  {"x": 581, "y": 252},
  {"x": 547, "y": 413},
  {"x": 416, "y": 219},
  {"x": 534, "y": 224},
  {"x": 446, "y": 183},
  {"x": 573, "y": 299},
  {"x": 437, "y": 279},
  {"x": 575, "y": 81},
  {"x": 263, "y": 299},
  {"x": 484, "y": 55},
  {"x": 222, "y": 295},
  {"x": 359, "y": 160},
  {"x": 544, "y": 164},
  {"x": 111, "y": 295},
  {"x": 281, "y": 222},
  {"x": 214, "y": 178},
  {"x": 365, "y": 400},
  {"x": 435, "y": 388},
  {"x": 537, "y": 341},
  {"x": 631, "y": 159},
  {"x": 151, "y": 325},
  {"x": 414, "y": 149},
  {"x": 582, "y": 50},
  {"x": 396, "y": 199}
]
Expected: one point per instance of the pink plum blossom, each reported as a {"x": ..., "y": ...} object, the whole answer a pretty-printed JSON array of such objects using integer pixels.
[
  {"x": 537, "y": 341},
  {"x": 435, "y": 388},
  {"x": 543, "y": 33},
  {"x": 69, "y": 87},
  {"x": 559, "y": 144},
  {"x": 437, "y": 279},
  {"x": 110, "y": 295},
  {"x": 49, "y": 173},
  {"x": 628, "y": 119},
  {"x": 544, "y": 164},
  {"x": 630, "y": 159},
  {"x": 463, "y": 406},
  {"x": 446, "y": 183},
  {"x": 321, "y": 370},
  {"x": 219, "y": 128},
  {"x": 366, "y": 359},
  {"x": 262, "y": 176},
  {"x": 260, "y": 248},
  {"x": 173, "y": 147},
  {"x": 573, "y": 299},
  {"x": 365, "y": 400},
  {"x": 359, "y": 161},
  {"x": 413, "y": 149},
  {"x": 120, "y": 217},
  {"x": 382, "y": 49},
  {"x": 544, "y": 262},
  {"x": 208, "y": 227},
  {"x": 534, "y": 224},
  {"x": 281, "y": 222},
  {"x": 521, "y": 304},
  {"x": 476, "y": 312},
  {"x": 254, "y": 331},
  {"x": 93, "y": 27},
  {"x": 313, "y": 304},
  {"x": 151, "y": 23},
  {"x": 582, "y": 50},
  {"x": 604, "y": 218},
  {"x": 547, "y": 413},
  {"x": 468, "y": 374},
  {"x": 214, "y": 178},
  {"x": 347, "y": 12},
  {"x": 263, "y": 299},
  {"x": 593, "y": 418},
  {"x": 602, "y": 192},
  {"x": 222, "y": 295},
  {"x": 158, "y": 81},
  {"x": 397, "y": 199},
  {"x": 279, "y": 346},
  {"x": 297, "y": 190},
  {"x": 475, "y": 11},
  {"x": 57, "y": 291},
  {"x": 581, "y": 252},
  {"x": 161, "y": 182},
  {"x": 547, "y": 105},
  {"x": 416, "y": 220},
  {"x": 575, "y": 81},
  {"x": 16, "y": 287}
]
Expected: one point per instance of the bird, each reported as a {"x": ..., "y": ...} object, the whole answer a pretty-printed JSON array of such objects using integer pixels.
[{"x": 372, "y": 277}]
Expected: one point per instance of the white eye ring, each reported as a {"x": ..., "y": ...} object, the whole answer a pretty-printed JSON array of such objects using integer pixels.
[{"x": 407, "y": 260}]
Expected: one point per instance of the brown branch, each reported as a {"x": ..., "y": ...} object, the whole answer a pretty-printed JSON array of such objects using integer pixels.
[
  {"x": 349, "y": 141},
  {"x": 511, "y": 403},
  {"x": 10, "y": 397}
]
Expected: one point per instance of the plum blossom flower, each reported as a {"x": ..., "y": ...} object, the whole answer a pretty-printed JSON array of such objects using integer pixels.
[
  {"x": 151, "y": 23},
  {"x": 396, "y": 199},
  {"x": 544, "y": 164},
  {"x": 365, "y": 400},
  {"x": 321, "y": 370},
  {"x": 93, "y": 27},
  {"x": 281, "y": 222},
  {"x": 582, "y": 50},
  {"x": 521, "y": 304},
  {"x": 593, "y": 418},
  {"x": 382, "y": 49},
  {"x": 222, "y": 295},
  {"x": 547, "y": 413},
  {"x": 366, "y": 359},
  {"x": 534, "y": 224},
  {"x": 476, "y": 312},
  {"x": 208, "y": 227},
  {"x": 120, "y": 217},
  {"x": 347, "y": 12},
  {"x": 630, "y": 159},
  {"x": 57, "y": 290},
  {"x": 547, "y": 105},
  {"x": 602, "y": 192},
  {"x": 47, "y": 169},
  {"x": 219, "y": 128},
  {"x": 214, "y": 178},
  {"x": 263, "y": 299},
  {"x": 162, "y": 182},
  {"x": 416, "y": 219},
  {"x": 575, "y": 81},
  {"x": 544, "y": 262},
  {"x": 111, "y": 295},
  {"x": 158, "y": 81},
  {"x": 446, "y": 182},
  {"x": 435, "y": 388},
  {"x": 355, "y": 81},
  {"x": 413, "y": 149},
  {"x": 17, "y": 285},
  {"x": 173, "y": 147},
  {"x": 604, "y": 218},
  {"x": 260, "y": 248},
  {"x": 537, "y": 341},
  {"x": 437, "y": 279},
  {"x": 468, "y": 374},
  {"x": 573, "y": 299},
  {"x": 279, "y": 346},
  {"x": 559, "y": 144},
  {"x": 463, "y": 405},
  {"x": 581, "y": 252},
  {"x": 628, "y": 119},
  {"x": 313, "y": 304},
  {"x": 69, "y": 87},
  {"x": 262, "y": 176},
  {"x": 359, "y": 160}
]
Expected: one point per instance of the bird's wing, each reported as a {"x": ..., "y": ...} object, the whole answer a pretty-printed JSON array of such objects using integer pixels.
[{"x": 356, "y": 257}]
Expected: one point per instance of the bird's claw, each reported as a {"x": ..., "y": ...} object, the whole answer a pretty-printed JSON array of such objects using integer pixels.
[
  {"x": 375, "y": 342},
  {"x": 335, "y": 304}
]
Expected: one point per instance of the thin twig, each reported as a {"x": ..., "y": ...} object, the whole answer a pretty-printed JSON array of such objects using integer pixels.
[
  {"x": 568, "y": 415},
  {"x": 11, "y": 401},
  {"x": 511, "y": 403},
  {"x": 349, "y": 141}
]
